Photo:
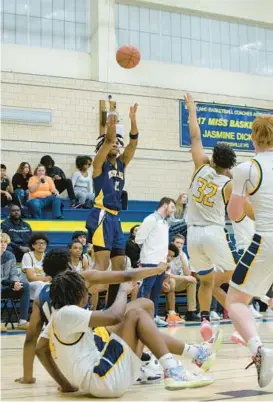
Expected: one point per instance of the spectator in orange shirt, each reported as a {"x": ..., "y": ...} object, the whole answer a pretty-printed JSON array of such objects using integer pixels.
[{"x": 43, "y": 193}]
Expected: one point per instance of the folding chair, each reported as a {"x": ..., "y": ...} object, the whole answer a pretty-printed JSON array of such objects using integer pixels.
[{"x": 9, "y": 306}]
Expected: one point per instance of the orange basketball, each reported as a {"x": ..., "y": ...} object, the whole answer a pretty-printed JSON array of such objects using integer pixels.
[{"x": 128, "y": 56}]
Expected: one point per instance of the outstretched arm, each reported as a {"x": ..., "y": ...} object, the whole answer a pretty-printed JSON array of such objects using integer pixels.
[
  {"x": 198, "y": 155},
  {"x": 130, "y": 149},
  {"x": 110, "y": 139},
  {"x": 95, "y": 277}
]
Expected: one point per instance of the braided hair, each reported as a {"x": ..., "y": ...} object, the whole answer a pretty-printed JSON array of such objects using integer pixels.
[
  {"x": 101, "y": 139},
  {"x": 67, "y": 288}
]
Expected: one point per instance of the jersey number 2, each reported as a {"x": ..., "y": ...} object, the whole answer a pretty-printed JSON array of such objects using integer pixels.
[
  {"x": 116, "y": 185},
  {"x": 205, "y": 198}
]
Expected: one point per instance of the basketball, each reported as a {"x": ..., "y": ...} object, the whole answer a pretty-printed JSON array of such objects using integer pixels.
[{"x": 128, "y": 56}]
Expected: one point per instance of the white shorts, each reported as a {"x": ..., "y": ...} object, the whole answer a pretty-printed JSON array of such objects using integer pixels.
[
  {"x": 210, "y": 248},
  {"x": 254, "y": 272},
  {"x": 117, "y": 369}
]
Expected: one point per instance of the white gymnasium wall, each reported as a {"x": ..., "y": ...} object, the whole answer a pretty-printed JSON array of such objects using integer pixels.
[{"x": 72, "y": 83}]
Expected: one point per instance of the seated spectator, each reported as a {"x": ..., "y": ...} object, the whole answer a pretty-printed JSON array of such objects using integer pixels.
[
  {"x": 19, "y": 232},
  {"x": 79, "y": 263},
  {"x": 82, "y": 237},
  {"x": 83, "y": 182},
  {"x": 20, "y": 182},
  {"x": 59, "y": 178},
  {"x": 7, "y": 194},
  {"x": 32, "y": 264},
  {"x": 43, "y": 193},
  {"x": 90, "y": 256},
  {"x": 184, "y": 280},
  {"x": 132, "y": 248},
  {"x": 11, "y": 285}
]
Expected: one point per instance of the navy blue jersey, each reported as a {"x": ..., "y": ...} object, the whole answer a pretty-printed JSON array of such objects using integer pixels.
[
  {"x": 108, "y": 186},
  {"x": 45, "y": 304}
]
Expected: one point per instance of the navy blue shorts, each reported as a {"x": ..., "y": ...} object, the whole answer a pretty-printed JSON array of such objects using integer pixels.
[{"x": 105, "y": 230}]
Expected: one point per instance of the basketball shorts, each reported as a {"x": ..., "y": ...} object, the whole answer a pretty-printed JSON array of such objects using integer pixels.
[
  {"x": 115, "y": 372},
  {"x": 105, "y": 230},
  {"x": 210, "y": 248},
  {"x": 254, "y": 272},
  {"x": 101, "y": 337}
]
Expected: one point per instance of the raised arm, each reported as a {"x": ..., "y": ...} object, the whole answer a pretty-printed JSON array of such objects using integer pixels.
[
  {"x": 198, "y": 155},
  {"x": 130, "y": 149},
  {"x": 94, "y": 277},
  {"x": 104, "y": 150}
]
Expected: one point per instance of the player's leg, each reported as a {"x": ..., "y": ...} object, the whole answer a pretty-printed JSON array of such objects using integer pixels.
[
  {"x": 219, "y": 279},
  {"x": 252, "y": 277}
]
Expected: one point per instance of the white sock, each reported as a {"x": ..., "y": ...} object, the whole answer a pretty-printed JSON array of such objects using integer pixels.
[
  {"x": 22, "y": 321},
  {"x": 167, "y": 361},
  {"x": 171, "y": 312},
  {"x": 253, "y": 344},
  {"x": 190, "y": 351}
]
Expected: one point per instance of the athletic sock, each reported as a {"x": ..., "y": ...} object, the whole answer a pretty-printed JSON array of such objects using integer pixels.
[
  {"x": 253, "y": 344},
  {"x": 168, "y": 361},
  {"x": 190, "y": 351},
  {"x": 112, "y": 294},
  {"x": 171, "y": 312},
  {"x": 205, "y": 315}
]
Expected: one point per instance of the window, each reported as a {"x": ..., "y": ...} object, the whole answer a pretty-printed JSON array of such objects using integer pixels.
[
  {"x": 195, "y": 40},
  {"x": 58, "y": 24}
]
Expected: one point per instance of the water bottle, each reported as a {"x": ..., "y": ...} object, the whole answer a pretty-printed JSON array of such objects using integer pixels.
[{"x": 257, "y": 306}]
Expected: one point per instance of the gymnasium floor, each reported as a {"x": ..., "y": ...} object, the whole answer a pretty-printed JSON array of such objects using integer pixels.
[{"x": 233, "y": 382}]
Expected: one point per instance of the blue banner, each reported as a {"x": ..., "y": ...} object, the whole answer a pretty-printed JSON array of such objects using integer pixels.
[{"x": 221, "y": 123}]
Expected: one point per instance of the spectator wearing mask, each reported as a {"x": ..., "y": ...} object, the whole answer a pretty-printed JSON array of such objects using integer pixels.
[
  {"x": 168, "y": 288},
  {"x": 11, "y": 285},
  {"x": 78, "y": 262},
  {"x": 83, "y": 182},
  {"x": 59, "y": 178},
  {"x": 20, "y": 182},
  {"x": 7, "y": 194},
  {"x": 132, "y": 248},
  {"x": 180, "y": 271},
  {"x": 19, "y": 232},
  {"x": 32, "y": 264},
  {"x": 43, "y": 193},
  {"x": 153, "y": 239}
]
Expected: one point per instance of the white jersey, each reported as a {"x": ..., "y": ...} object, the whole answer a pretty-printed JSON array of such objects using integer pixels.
[
  {"x": 255, "y": 178},
  {"x": 244, "y": 230},
  {"x": 72, "y": 344},
  {"x": 207, "y": 197}
]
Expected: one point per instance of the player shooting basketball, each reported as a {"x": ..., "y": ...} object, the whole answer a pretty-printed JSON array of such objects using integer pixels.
[{"x": 103, "y": 222}]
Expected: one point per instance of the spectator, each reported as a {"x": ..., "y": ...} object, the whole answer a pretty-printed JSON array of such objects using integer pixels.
[
  {"x": 82, "y": 237},
  {"x": 19, "y": 232},
  {"x": 153, "y": 238},
  {"x": 181, "y": 206},
  {"x": 83, "y": 182},
  {"x": 7, "y": 194},
  {"x": 90, "y": 256},
  {"x": 79, "y": 263},
  {"x": 59, "y": 178},
  {"x": 181, "y": 272},
  {"x": 43, "y": 193},
  {"x": 32, "y": 264},
  {"x": 20, "y": 182},
  {"x": 132, "y": 248},
  {"x": 168, "y": 287},
  {"x": 11, "y": 285}
]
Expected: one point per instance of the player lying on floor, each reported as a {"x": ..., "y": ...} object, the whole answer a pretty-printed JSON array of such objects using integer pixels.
[
  {"x": 55, "y": 262},
  {"x": 69, "y": 353}
]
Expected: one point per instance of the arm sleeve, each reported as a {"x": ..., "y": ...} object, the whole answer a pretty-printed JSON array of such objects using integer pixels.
[
  {"x": 242, "y": 182},
  {"x": 14, "y": 270},
  {"x": 75, "y": 178},
  {"x": 51, "y": 184},
  {"x": 61, "y": 173},
  {"x": 145, "y": 229},
  {"x": 71, "y": 320}
]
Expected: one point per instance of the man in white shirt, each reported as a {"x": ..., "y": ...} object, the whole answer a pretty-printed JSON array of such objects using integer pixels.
[
  {"x": 75, "y": 361},
  {"x": 153, "y": 238}
]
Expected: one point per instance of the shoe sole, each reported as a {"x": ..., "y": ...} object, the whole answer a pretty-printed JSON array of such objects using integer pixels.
[
  {"x": 218, "y": 340},
  {"x": 145, "y": 382},
  {"x": 206, "y": 332},
  {"x": 265, "y": 378},
  {"x": 190, "y": 384},
  {"x": 238, "y": 341}
]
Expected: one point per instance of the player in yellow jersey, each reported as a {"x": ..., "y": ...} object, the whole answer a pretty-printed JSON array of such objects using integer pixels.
[{"x": 253, "y": 275}]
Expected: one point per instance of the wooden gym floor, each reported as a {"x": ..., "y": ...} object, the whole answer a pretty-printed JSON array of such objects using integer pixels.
[{"x": 233, "y": 382}]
